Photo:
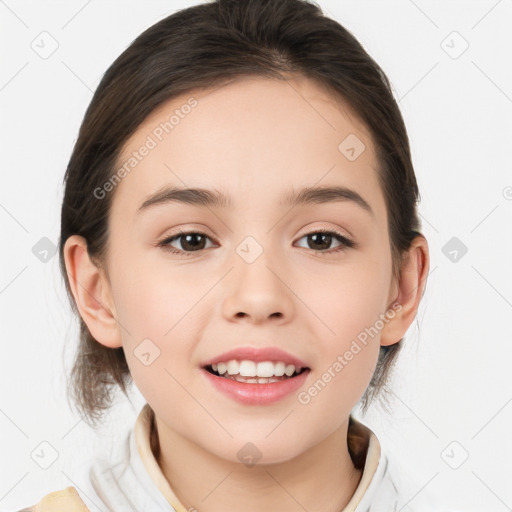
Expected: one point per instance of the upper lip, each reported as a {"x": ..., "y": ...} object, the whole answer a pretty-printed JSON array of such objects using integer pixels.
[{"x": 257, "y": 354}]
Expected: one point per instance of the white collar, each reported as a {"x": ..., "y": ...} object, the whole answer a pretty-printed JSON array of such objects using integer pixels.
[{"x": 373, "y": 471}]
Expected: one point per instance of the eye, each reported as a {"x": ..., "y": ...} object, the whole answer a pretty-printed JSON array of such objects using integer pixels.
[
  {"x": 321, "y": 239},
  {"x": 191, "y": 241},
  {"x": 194, "y": 241}
]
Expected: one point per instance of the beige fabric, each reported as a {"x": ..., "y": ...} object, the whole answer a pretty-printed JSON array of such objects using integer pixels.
[
  {"x": 372, "y": 461},
  {"x": 142, "y": 437},
  {"x": 66, "y": 500}
]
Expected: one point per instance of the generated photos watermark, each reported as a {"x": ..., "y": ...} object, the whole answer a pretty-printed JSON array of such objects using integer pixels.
[
  {"x": 342, "y": 360},
  {"x": 157, "y": 135}
]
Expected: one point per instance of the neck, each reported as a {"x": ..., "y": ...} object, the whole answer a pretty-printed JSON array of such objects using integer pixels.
[{"x": 322, "y": 478}]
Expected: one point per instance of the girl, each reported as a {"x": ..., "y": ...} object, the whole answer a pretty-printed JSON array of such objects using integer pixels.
[{"x": 240, "y": 238}]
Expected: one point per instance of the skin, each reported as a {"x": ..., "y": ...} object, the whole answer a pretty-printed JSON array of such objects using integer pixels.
[{"x": 253, "y": 139}]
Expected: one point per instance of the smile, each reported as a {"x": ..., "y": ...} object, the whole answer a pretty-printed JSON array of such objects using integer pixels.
[
  {"x": 253, "y": 372},
  {"x": 255, "y": 375}
]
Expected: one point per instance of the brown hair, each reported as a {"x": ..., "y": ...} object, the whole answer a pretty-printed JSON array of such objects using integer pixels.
[{"x": 209, "y": 45}]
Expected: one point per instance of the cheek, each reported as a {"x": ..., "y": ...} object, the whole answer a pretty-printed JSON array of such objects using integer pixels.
[
  {"x": 154, "y": 302},
  {"x": 349, "y": 302},
  {"x": 335, "y": 389},
  {"x": 348, "y": 308},
  {"x": 155, "y": 315}
]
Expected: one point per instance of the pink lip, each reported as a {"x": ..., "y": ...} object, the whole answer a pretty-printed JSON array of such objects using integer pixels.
[
  {"x": 257, "y": 355},
  {"x": 256, "y": 394}
]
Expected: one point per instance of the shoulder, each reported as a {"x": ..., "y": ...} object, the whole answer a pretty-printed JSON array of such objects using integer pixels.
[{"x": 65, "y": 500}]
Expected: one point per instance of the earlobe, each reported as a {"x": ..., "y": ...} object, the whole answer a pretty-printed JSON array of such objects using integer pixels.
[
  {"x": 411, "y": 286},
  {"x": 92, "y": 293}
]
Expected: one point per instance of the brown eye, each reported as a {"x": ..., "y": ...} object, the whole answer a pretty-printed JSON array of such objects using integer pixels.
[
  {"x": 321, "y": 241},
  {"x": 189, "y": 242}
]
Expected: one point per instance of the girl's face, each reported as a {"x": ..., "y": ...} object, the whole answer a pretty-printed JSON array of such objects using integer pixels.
[{"x": 259, "y": 275}]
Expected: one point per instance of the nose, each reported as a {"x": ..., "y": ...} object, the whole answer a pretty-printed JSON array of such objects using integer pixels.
[{"x": 258, "y": 291}]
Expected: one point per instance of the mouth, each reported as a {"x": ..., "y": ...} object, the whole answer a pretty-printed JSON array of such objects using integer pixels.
[
  {"x": 256, "y": 376},
  {"x": 255, "y": 372}
]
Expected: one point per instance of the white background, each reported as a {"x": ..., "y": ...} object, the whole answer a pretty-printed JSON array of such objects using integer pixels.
[{"x": 453, "y": 380}]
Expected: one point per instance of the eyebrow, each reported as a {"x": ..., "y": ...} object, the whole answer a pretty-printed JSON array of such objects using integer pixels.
[{"x": 215, "y": 198}]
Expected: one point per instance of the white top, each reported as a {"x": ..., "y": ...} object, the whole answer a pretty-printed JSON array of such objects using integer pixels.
[{"x": 132, "y": 481}]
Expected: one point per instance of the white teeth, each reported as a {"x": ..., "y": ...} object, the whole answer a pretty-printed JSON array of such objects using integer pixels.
[
  {"x": 232, "y": 367},
  {"x": 279, "y": 369},
  {"x": 247, "y": 369},
  {"x": 262, "y": 370},
  {"x": 265, "y": 369},
  {"x": 254, "y": 380},
  {"x": 289, "y": 370}
]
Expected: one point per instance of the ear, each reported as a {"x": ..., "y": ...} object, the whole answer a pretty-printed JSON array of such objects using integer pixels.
[
  {"x": 406, "y": 294},
  {"x": 92, "y": 293}
]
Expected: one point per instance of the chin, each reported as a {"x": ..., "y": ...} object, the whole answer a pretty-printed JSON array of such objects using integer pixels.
[{"x": 258, "y": 452}]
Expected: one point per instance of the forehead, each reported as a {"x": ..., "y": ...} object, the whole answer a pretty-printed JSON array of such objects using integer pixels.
[{"x": 255, "y": 139}]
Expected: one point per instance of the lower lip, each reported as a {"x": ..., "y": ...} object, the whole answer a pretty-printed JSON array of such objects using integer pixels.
[{"x": 256, "y": 394}]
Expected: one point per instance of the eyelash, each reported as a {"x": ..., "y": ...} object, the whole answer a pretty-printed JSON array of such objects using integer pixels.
[{"x": 345, "y": 242}]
